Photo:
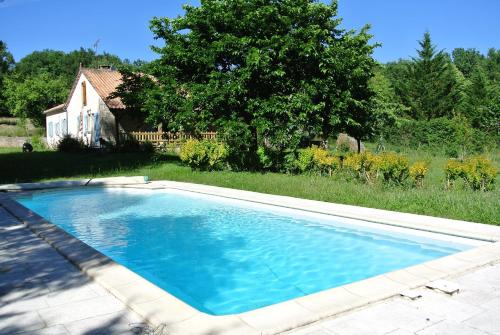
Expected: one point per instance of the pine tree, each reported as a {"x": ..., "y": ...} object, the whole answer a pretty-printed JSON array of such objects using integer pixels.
[{"x": 434, "y": 88}]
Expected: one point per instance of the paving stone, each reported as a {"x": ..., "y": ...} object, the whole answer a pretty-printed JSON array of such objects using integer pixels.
[
  {"x": 69, "y": 295},
  {"x": 313, "y": 330},
  {"x": 493, "y": 304},
  {"x": 401, "y": 332},
  {"x": 444, "y": 286},
  {"x": 475, "y": 296},
  {"x": 54, "y": 330},
  {"x": 115, "y": 323},
  {"x": 11, "y": 323},
  {"x": 21, "y": 304},
  {"x": 450, "y": 328},
  {"x": 78, "y": 311},
  {"x": 274, "y": 316},
  {"x": 204, "y": 324},
  {"x": 444, "y": 306},
  {"x": 487, "y": 321},
  {"x": 383, "y": 318}
]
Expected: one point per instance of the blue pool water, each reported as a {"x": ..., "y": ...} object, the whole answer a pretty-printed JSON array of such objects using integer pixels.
[{"x": 224, "y": 256}]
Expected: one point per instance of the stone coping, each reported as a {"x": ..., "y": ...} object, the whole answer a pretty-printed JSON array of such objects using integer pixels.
[
  {"x": 110, "y": 181},
  {"x": 159, "y": 307}
]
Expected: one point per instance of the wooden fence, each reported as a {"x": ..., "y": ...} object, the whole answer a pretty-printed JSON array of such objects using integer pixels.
[{"x": 161, "y": 138}]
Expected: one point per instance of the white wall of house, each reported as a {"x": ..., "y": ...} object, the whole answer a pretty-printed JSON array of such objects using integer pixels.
[
  {"x": 56, "y": 128},
  {"x": 81, "y": 118}
]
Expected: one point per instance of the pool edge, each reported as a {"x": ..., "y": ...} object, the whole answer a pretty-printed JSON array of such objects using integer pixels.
[{"x": 158, "y": 306}]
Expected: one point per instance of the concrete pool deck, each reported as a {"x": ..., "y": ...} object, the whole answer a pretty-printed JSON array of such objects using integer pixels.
[
  {"x": 474, "y": 310},
  {"x": 157, "y": 306},
  {"x": 42, "y": 293}
]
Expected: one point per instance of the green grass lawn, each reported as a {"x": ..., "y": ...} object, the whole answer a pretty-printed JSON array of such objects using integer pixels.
[{"x": 432, "y": 199}]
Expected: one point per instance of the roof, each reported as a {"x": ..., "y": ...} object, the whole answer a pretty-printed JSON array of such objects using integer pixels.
[
  {"x": 55, "y": 109},
  {"x": 105, "y": 82}
]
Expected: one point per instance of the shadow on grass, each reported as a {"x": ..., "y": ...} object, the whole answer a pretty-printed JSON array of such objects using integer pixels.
[{"x": 31, "y": 167}]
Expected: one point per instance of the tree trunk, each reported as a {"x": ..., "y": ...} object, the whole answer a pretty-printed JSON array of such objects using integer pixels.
[
  {"x": 358, "y": 141},
  {"x": 254, "y": 145}
]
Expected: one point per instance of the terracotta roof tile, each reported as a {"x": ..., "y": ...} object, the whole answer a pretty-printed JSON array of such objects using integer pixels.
[{"x": 105, "y": 82}]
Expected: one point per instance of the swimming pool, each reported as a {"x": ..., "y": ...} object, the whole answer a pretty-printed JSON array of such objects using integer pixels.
[{"x": 225, "y": 256}]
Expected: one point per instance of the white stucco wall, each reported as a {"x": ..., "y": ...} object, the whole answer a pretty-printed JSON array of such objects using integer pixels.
[
  {"x": 75, "y": 110},
  {"x": 56, "y": 128}
]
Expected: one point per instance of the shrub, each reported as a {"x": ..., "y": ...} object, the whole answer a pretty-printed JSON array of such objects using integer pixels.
[
  {"x": 71, "y": 144},
  {"x": 305, "y": 160},
  {"x": 455, "y": 137},
  {"x": 265, "y": 158},
  {"x": 317, "y": 160},
  {"x": 147, "y": 147},
  {"x": 453, "y": 171},
  {"x": 204, "y": 155},
  {"x": 128, "y": 144},
  {"x": 417, "y": 173},
  {"x": 240, "y": 146},
  {"x": 364, "y": 166},
  {"x": 37, "y": 143},
  {"x": 478, "y": 173},
  {"x": 393, "y": 167},
  {"x": 131, "y": 145}
]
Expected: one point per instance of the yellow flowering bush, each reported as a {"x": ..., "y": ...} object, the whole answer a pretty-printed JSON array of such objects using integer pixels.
[
  {"x": 393, "y": 167},
  {"x": 418, "y": 171},
  {"x": 363, "y": 165},
  {"x": 204, "y": 155},
  {"x": 478, "y": 173},
  {"x": 317, "y": 160},
  {"x": 453, "y": 171}
]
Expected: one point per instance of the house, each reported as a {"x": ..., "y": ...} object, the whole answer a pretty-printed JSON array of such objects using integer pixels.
[{"x": 89, "y": 113}]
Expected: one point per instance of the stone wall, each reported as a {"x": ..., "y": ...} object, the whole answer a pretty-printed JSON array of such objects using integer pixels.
[{"x": 14, "y": 142}]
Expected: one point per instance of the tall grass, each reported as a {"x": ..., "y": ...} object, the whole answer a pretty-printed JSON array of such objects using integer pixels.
[{"x": 432, "y": 199}]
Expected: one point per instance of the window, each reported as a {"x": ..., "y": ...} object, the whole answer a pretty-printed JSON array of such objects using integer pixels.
[
  {"x": 84, "y": 93},
  {"x": 64, "y": 127},
  {"x": 51, "y": 129},
  {"x": 85, "y": 122},
  {"x": 58, "y": 129}
]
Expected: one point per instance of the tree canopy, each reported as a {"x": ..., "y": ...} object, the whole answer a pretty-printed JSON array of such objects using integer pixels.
[
  {"x": 261, "y": 71},
  {"x": 29, "y": 98},
  {"x": 43, "y": 79},
  {"x": 432, "y": 89},
  {"x": 6, "y": 64}
]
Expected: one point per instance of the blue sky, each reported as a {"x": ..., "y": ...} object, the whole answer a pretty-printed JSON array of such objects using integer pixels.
[{"x": 122, "y": 25}]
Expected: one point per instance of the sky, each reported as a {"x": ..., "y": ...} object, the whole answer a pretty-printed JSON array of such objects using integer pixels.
[{"x": 122, "y": 26}]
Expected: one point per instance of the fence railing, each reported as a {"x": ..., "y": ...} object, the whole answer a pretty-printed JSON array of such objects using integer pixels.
[{"x": 159, "y": 138}]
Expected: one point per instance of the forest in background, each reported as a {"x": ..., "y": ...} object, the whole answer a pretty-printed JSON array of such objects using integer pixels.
[{"x": 441, "y": 100}]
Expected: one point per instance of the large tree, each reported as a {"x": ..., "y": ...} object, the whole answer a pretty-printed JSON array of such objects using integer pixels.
[
  {"x": 261, "y": 70},
  {"x": 29, "y": 98},
  {"x": 433, "y": 88},
  {"x": 482, "y": 102},
  {"x": 467, "y": 60},
  {"x": 6, "y": 64},
  {"x": 61, "y": 65}
]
